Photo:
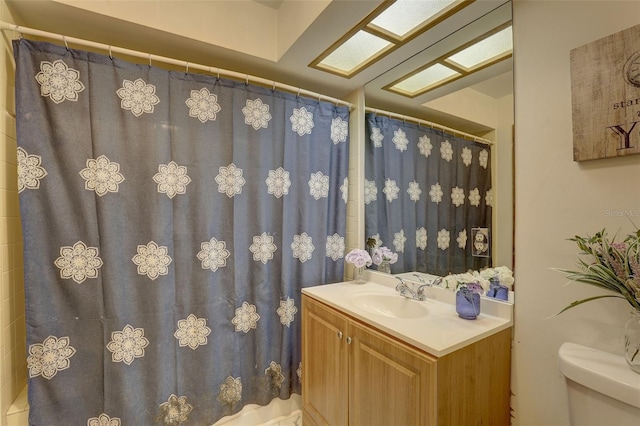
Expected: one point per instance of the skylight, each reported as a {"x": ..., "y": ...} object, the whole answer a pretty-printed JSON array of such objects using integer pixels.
[
  {"x": 486, "y": 50},
  {"x": 404, "y": 16},
  {"x": 436, "y": 74},
  {"x": 354, "y": 52}
]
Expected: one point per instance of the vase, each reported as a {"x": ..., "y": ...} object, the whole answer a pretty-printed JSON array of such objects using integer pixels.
[
  {"x": 385, "y": 267},
  {"x": 358, "y": 275},
  {"x": 467, "y": 304},
  {"x": 632, "y": 340},
  {"x": 497, "y": 291}
]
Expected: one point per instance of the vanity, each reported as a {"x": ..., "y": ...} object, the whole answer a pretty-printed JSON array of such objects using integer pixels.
[{"x": 374, "y": 357}]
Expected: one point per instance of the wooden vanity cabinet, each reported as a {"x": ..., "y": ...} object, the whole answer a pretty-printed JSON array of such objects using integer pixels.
[{"x": 353, "y": 374}]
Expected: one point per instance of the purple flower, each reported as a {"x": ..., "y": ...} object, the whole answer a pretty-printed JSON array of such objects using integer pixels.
[
  {"x": 358, "y": 257},
  {"x": 383, "y": 253}
]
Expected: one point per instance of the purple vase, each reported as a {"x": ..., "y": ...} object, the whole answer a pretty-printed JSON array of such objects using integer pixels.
[
  {"x": 467, "y": 304},
  {"x": 498, "y": 291}
]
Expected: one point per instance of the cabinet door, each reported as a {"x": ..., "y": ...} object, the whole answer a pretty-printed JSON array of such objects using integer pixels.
[
  {"x": 390, "y": 383},
  {"x": 324, "y": 364}
]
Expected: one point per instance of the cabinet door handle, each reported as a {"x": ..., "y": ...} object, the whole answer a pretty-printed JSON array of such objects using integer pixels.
[
  {"x": 339, "y": 334},
  {"x": 348, "y": 340}
]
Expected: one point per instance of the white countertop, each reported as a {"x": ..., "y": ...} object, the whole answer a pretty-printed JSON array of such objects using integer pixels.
[{"x": 438, "y": 333}]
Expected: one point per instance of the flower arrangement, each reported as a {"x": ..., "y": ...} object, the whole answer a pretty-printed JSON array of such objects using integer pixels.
[
  {"x": 500, "y": 275},
  {"x": 384, "y": 254},
  {"x": 359, "y": 258},
  {"x": 612, "y": 266}
]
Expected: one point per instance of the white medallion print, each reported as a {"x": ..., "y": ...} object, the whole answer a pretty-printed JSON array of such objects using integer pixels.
[
  {"x": 138, "y": 97},
  {"x": 335, "y": 246},
  {"x": 101, "y": 175},
  {"x": 192, "y": 332},
  {"x": 457, "y": 196},
  {"x": 443, "y": 239},
  {"x": 30, "y": 170},
  {"x": 376, "y": 137},
  {"x": 488, "y": 198},
  {"x": 175, "y": 411},
  {"x": 278, "y": 182},
  {"x": 391, "y": 190},
  {"x": 127, "y": 345},
  {"x": 274, "y": 375},
  {"x": 230, "y": 391},
  {"x": 103, "y": 420},
  {"x": 436, "y": 193},
  {"x": 446, "y": 152},
  {"x": 302, "y": 247},
  {"x": 213, "y": 254},
  {"x": 299, "y": 372},
  {"x": 483, "y": 158},
  {"x": 319, "y": 185},
  {"x": 339, "y": 130},
  {"x": 414, "y": 191},
  {"x": 370, "y": 191},
  {"x": 462, "y": 239},
  {"x": 47, "y": 358},
  {"x": 172, "y": 179},
  {"x": 246, "y": 318},
  {"x": 421, "y": 238},
  {"x": 467, "y": 156},
  {"x": 59, "y": 82},
  {"x": 424, "y": 145},
  {"x": 230, "y": 180},
  {"x": 263, "y": 248},
  {"x": 400, "y": 140},
  {"x": 344, "y": 189},
  {"x": 287, "y": 311},
  {"x": 398, "y": 241},
  {"x": 152, "y": 260},
  {"x": 474, "y": 197},
  {"x": 203, "y": 105},
  {"x": 301, "y": 121},
  {"x": 256, "y": 114},
  {"x": 78, "y": 262}
]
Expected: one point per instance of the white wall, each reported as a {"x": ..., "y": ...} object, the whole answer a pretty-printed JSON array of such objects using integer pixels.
[{"x": 557, "y": 198}]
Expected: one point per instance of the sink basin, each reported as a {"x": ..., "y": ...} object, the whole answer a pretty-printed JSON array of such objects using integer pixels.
[{"x": 392, "y": 306}]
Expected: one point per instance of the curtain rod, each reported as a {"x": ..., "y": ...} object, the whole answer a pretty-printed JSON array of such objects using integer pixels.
[
  {"x": 115, "y": 49},
  {"x": 430, "y": 124}
]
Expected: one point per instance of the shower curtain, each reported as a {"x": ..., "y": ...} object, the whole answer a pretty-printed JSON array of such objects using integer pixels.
[
  {"x": 170, "y": 221},
  {"x": 427, "y": 196}
]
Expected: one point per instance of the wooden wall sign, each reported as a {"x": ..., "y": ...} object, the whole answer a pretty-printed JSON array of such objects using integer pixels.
[{"x": 605, "y": 96}]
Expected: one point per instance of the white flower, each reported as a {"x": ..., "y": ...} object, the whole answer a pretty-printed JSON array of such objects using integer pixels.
[
  {"x": 335, "y": 246},
  {"x": 421, "y": 238},
  {"x": 274, "y": 373},
  {"x": 457, "y": 196},
  {"x": 203, "y": 105},
  {"x": 398, "y": 241},
  {"x": 29, "y": 170},
  {"x": 246, "y": 317},
  {"x": 103, "y": 420},
  {"x": 436, "y": 193},
  {"x": 400, "y": 140},
  {"x": 138, "y": 96},
  {"x": 370, "y": 191},
  {"x": 101, "y": 175},
  {"x": 376, "y": 137},
  {"x": 462, "y": 239},
  {"x": 505, "y": 276},
  {"x": 488, "y": 198},
  {"x": 230, "y": 180},
  {"x": 192, "y": 332},
  {"x": 59, "y": 82},
  {"x": 262, "y": 248},
  {"x": 414, "y": 191},
  {"x": 278, "y": 182},
  {"x": 446, "y": 151},
  {"x": 391, "y": 190},
  {"x": 344, "y": 189},
  {"x": 78, "y": 262},
  {"x": 256, "y": 114},
  {"x": 287, "y": 311},
  {"x": 474, "y": 197},
  {"x": 230, "y": 391},
  {"x": 213, "y": 254},
  {"x": 443, "y": 239},
  {"x": 47, "y": 358},
  {"x": 302, "y": 247},
  {"x": 301, "y": 121},
  {"x": 467, "y": 156},
  {"x": 483, "y": 158},
  {"x": 127, "y": 345},
  {"x": 152, "y": 260},
  {"x": 172, "y": 179},
  {"x": 175, "y": 411},
  {"x": 319, "y": 185},
  {"x": 339, "y": 130},
  {"x": 425, "y": 146}
]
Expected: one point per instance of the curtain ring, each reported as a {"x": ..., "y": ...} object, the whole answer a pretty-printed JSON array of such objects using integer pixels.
[
  {"x": 64, "y": 38},
  {"x": 110, "y": 55}
]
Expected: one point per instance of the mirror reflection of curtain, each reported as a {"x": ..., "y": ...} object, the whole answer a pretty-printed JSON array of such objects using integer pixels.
[
  {"x": 426, "y": 193},
  {"x": 170, "y": 221}
]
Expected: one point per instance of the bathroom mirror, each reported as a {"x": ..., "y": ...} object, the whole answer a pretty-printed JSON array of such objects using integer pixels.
[{"x": 480, "y": 104}]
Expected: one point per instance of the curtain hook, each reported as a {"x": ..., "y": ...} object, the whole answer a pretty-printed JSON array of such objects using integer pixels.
[
  {"x": 187, "y": 70},
  {"x": 110, "y": 55},
  {"x": 150, "y": 60},
  {"x": 298, "y": 95},
  {"x": 273, "y": 89},
  {"x": 246, "y": 81},
  {"x": 64, "y": 38}
]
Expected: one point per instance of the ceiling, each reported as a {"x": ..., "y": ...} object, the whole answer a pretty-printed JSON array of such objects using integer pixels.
[{"x": 277, "y": 40}]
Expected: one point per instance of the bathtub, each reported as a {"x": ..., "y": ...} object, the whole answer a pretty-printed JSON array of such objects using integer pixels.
[{"x": 280, "y": 412}]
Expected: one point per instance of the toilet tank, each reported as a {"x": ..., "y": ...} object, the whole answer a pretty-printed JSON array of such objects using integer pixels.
[{"x": 602, "y": 389}]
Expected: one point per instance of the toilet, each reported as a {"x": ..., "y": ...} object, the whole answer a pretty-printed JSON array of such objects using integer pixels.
[{"x": 602, "y": 389}]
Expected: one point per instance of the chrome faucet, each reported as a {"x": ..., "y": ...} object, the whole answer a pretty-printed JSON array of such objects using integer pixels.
[{"x": 406, "y": 291}]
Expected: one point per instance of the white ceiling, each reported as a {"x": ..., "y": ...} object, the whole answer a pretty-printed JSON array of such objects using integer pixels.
[{"x": 277, "y": 39}]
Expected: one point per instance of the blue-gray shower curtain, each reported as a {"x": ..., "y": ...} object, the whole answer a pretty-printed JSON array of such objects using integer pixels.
[
  {"x": 427, "y": 195},
  {"x": 170, "y": 221}
]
